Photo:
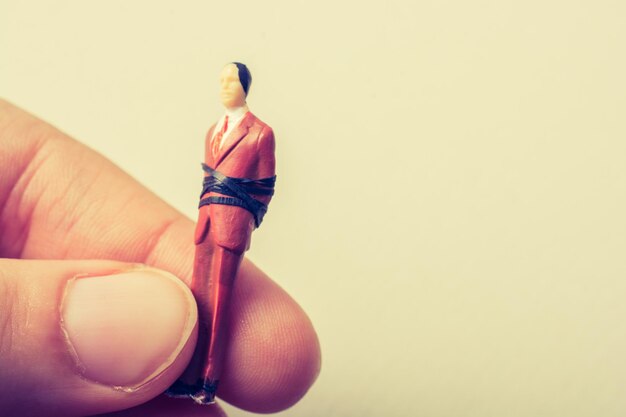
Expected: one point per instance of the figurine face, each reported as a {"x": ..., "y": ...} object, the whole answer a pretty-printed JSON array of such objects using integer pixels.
[{"x": 231, "y": 92}]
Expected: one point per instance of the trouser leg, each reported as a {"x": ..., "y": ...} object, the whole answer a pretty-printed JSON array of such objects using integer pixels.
[
  {"x": 200, "y": 286},
  {"x": 224, "y": 269}
]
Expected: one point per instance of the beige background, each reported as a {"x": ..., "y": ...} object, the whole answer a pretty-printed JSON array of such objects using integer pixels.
[{"x": 452, "y": 181}]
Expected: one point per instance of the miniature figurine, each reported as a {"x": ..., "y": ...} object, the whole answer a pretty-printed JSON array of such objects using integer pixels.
[{"x": 239, "y": 177}]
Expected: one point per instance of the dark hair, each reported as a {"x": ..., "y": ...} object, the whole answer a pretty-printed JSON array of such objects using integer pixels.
[{"x": 245, "y": 78}]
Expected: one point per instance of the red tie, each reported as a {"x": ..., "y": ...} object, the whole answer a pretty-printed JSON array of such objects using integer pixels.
[{"x": 217, "y": 140}]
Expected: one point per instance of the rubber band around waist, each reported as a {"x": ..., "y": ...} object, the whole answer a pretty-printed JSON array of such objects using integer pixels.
[{"x": 237, "y": 192}]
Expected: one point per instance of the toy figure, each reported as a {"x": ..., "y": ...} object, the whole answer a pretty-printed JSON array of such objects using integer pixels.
[{"x": 238, "y": 185}]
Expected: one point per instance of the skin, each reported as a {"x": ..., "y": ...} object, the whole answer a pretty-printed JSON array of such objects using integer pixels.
[
  {"x": 52, "y": 208},
  {"x": 231, "y": 90}
]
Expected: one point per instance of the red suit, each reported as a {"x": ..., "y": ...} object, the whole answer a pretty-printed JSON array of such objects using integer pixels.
[
  {"x": 222, "y": 236},
  {"x": 247, "y": 152}
]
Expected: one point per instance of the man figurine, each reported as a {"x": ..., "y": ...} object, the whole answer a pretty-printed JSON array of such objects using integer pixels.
[{"x": 238, "y": 185}]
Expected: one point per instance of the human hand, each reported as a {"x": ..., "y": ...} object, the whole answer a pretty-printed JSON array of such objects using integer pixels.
[{"x": 74, "y": 326}]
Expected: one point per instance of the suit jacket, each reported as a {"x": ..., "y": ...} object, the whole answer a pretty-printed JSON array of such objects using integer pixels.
[{"x": 247, "y": 152}]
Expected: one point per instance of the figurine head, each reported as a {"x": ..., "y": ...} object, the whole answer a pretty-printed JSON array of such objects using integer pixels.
[{"x": 235, "y": 82}]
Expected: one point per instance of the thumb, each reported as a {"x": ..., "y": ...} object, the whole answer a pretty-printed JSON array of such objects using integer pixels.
[{"x": 89, "y": 337}]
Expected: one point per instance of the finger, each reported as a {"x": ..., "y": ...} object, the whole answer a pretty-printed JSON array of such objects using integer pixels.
[
  {"x": 63, "y": 200},
  {"x": 168, "y": 407},
  {"x": 274, "y": 356},
  {"x": 86, "y": 337}
]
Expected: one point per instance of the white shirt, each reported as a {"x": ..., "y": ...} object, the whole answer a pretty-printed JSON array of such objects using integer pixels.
[{"x": 234, "y": 117}]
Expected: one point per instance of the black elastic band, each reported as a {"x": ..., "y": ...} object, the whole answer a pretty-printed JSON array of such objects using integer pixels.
[{"x": 238, "y": 191}]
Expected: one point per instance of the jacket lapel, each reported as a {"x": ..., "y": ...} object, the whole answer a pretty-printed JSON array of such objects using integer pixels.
[
  {"x": 234, "y": 137},
  {"x": 208, "y": 154}
]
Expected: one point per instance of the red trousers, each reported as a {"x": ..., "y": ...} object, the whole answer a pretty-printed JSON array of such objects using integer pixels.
[{"x": 215, "y": 269}]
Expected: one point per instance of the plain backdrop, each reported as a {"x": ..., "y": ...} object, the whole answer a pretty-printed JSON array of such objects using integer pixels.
[{"x": 451, "y": 197}]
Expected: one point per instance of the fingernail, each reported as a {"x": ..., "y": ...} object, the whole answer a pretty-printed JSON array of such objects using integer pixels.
[{"x": 126, "y": 328}]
